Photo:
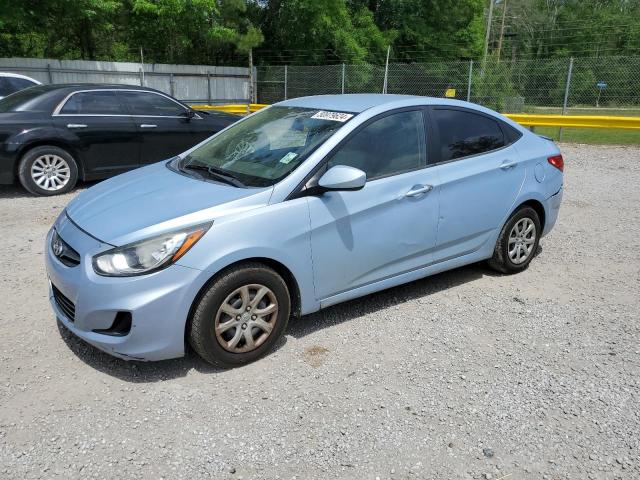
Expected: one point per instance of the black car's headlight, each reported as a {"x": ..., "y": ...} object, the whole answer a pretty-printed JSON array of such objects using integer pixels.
[{"x": 149, "y": 255}]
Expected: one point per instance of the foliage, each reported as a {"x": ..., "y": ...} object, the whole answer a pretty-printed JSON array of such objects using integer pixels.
[{"x": 313, "y": 32}]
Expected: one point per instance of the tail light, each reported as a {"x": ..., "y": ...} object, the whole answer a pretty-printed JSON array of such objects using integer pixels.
[{"x": 557, "y": 161}]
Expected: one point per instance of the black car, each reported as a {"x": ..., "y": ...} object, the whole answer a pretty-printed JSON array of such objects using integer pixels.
[{"x": 53, "y": 135}]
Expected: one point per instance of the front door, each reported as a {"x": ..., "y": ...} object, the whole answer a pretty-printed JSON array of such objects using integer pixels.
[
  {"x": 386, "y": 228},
  {"x": 101, "y": 132},
  {"x": 162, "y": 123}
]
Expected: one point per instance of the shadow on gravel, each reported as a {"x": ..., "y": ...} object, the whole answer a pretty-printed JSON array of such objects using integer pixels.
[
  {"x": 147, "y": 372},
  {"x": 139, "y": 372},
  {"x": 16, "y": 190},
  {"x": 352, "y": 309}
]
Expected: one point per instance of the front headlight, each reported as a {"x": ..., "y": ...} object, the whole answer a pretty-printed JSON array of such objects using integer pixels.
[{"x": 148, "y": 255}]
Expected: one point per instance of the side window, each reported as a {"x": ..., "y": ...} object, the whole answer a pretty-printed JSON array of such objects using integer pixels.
[
  {"x": 151, "y": 104},
  {"x": 465, "y": 133},
  {"x": 20, "y": 83},
  {"x": 5, "y": 87},
  {"x": 389, "y": 146},
  {"x": 98, "y": 102}
]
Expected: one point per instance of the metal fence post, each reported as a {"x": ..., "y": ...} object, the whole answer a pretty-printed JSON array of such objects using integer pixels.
[
  {"x": 285, "y": 82},
  {"x": 469, "y": 82},
  {"x": 171, "y": 85},
  {"x": 343, "y": 69},
  {"x": 50, "y": 73},
  {"x": 566, "y": 94},
  {"x": 141, "y": 77},
  {"x": 208, "y": 87}
]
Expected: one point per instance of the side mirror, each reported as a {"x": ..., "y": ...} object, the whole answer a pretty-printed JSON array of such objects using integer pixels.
[
  {"x": 342, "y": 177},
  {"x": 189, "y": 114}
]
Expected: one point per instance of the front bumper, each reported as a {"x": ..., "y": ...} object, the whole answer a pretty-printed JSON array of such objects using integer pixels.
[{"x": 159, "y": 303}]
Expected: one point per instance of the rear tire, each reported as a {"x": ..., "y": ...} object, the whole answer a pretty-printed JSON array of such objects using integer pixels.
[
  {"x": 241, "y": 315},
  {"x": 48, "y": 170},
  {"x": 518, "y": 242}
]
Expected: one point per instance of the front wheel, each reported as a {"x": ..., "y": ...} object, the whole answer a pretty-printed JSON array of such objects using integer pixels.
[
  {"x": 48, "y": 170},
  {"x": 241, "y": 315},
  {"x": 518, "y": 241}
]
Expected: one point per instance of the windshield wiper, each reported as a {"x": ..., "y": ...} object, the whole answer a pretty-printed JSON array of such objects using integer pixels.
[{"x": 216, "y": 173}]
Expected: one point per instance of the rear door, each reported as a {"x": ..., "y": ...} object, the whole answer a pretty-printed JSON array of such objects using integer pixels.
[
  {"x": 102, "y": 132},
  {"x": 164, "y": 127},
  {"x": 480, "y": 177}
]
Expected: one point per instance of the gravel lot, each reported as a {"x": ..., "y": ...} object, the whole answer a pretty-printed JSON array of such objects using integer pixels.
[{"x": 467, "y": 374}]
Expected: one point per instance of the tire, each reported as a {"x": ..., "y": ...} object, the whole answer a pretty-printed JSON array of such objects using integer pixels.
[
  {"x": 506, "y": 260},
  {"x": 61, "y": 176},
  {"x": 237, "y": 324}
]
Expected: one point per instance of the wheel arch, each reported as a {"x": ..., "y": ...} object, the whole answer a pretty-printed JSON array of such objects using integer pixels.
[
  {"x": 280, "y": 268},
  {"x": 537, "y": 206},
  {"x": 27, "y": 147}
]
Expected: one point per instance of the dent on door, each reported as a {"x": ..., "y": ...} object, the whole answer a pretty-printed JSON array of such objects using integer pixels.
[{"x": 475, "y": 196}]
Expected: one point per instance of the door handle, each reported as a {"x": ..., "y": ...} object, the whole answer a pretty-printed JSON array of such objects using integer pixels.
[
  {"x": 418, "y": 190},
  {"x": 148, "y": 125},
  {"x": 76, "y": 125},
  {"x": 507, "y": 164}
]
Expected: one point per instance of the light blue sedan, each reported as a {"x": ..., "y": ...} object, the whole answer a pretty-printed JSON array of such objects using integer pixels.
[{"x": 305, "y": 204}]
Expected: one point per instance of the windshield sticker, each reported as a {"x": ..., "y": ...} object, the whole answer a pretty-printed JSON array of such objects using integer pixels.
[
  {"x": 288, "y": 158},
  {"x": 335, "y": 116}
]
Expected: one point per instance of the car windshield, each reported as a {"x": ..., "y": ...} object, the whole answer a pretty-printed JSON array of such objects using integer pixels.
[{"x": 264, "y": 148}]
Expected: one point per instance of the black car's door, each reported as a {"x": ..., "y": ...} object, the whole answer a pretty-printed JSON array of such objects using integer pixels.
[
  {"x": 163, "y": 124},
  {"x": 100, "y": 130}
]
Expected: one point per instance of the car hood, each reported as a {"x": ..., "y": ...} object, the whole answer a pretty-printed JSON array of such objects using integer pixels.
[{"x": 154, "y": 199}]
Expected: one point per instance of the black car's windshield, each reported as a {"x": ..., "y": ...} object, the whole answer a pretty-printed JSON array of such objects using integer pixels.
[
  {"x": 265, "y": 148},
  {"x": 21, "y": 101}
]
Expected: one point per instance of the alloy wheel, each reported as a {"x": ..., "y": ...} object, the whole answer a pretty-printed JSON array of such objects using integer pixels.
[
  {"x": 246, "y": 318},
  {"x": 50, "y": 172},
  {"x": 522, "y": 239}
]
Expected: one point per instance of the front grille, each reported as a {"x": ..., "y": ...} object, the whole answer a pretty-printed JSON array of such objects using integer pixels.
[
  {"x": 63, "y": 251},
  {"x": 66, "y": 305}
]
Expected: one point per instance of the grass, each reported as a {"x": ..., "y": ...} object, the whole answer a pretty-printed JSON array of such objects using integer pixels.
[{"x": 594, "y": 136}]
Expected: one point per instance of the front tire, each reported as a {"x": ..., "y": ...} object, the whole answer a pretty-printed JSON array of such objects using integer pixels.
[
  {"x": 241, "y": 315},
  {"x": 518, "y": 242},
  {"x": 48, "y": 170}
]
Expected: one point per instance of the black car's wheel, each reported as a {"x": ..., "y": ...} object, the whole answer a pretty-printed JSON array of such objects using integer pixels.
[
  {"x": 240, "y": 317},
  {"x": 518, "y": 241},
  {"x": 48, "y": 170}
]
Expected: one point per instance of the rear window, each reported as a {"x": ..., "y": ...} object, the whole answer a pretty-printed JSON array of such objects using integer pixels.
[
  {"x": 463, "y": 133},
  {"x": 24, "y": 100},
  {"x": 97, "y": 102}
]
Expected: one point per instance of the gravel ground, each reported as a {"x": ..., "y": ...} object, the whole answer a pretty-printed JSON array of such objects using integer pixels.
[{"x": 467, "y": 374}]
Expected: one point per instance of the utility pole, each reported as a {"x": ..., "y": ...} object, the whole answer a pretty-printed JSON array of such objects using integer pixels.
[
  {"x": 250, "y": 80},
  {"x": 504, "y": 11},
  {"x": 386, "y": 71},
  {"x": 141, "y": 68},
  {"x": 486, "y": 37}
]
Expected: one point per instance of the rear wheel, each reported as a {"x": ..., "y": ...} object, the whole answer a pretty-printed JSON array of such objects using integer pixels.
[
  {"x": 518, "y": 241},
  {"x": 48, "y": 170},
  {"x": 241, "y": 316}
]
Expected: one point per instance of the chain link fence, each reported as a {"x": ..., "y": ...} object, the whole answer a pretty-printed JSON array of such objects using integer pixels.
[{"x": 584, "y": 85}]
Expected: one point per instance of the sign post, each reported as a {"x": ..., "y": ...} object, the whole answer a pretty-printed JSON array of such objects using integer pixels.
[{"x": 601, "y": 86}]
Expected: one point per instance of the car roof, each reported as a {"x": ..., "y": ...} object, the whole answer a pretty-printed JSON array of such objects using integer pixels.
[
  {"x": 17, "y": 75},
  {"x": 359, "y": 102},
  {"x": 97, "y": 86}
]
